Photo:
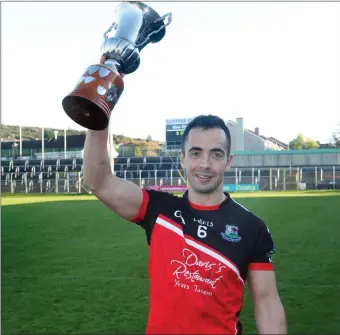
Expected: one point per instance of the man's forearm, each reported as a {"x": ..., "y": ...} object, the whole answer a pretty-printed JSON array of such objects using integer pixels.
[
  {"x": 270, "y": 316},
  {"x": 96, "y": 162}
]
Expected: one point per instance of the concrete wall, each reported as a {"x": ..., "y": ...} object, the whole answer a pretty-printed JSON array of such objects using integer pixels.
[
  {"x": 232, "y": 130},
  {"x": 251, "y": 142},
  {"x": 266, "y": 159},
  {"x": 240, "y": 145}
]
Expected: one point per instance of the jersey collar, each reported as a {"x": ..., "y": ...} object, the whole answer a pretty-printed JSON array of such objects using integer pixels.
[{"x": 206, "y": 208}]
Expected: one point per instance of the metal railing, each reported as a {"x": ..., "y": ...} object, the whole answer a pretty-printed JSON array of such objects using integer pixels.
[{"x": 261, "y": 179}]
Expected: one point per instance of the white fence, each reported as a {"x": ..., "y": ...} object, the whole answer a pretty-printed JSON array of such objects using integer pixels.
[
  {"x": 30, "y": 182},
  {"x": 270, "y": 179}
]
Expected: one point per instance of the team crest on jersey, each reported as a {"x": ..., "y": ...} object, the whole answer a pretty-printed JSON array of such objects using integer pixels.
[{"x": 231, "y": 233}]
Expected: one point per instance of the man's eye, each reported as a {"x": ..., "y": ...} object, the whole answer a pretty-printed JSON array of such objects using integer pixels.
[
  {"x": 218, "y": 155},
  {"x": 195, "y": 153}
]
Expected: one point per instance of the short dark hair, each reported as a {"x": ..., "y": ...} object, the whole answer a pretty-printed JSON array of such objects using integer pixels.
[{"x": 207, "y": 122}]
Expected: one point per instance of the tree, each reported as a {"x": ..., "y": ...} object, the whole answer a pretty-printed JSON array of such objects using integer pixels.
[
  {"x": 336, "y": 137},
  {"x": 300, "y": 143},
  {"x": 310, "y": 144},
  {"x": 138, "y": 151},
  {"x": 48, "y": 135},
  {"x": 297, "y": 142},
  {"x": 149, "y": 138}
]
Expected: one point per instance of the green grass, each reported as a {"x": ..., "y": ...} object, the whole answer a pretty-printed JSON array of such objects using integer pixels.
[{"x": 69, "y": 265}]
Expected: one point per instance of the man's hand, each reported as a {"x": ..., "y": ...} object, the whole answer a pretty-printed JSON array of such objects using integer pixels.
[
  {"x": 103, "y": 60},
  {"x": 269, "y": 312}
]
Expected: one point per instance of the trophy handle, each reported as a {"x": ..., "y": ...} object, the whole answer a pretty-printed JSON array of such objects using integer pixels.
[
  {"x": 167, "y": 17},
  {"x": 113, "y": 26}
]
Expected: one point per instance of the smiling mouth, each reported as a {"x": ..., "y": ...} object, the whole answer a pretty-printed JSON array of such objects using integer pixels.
[{"x": 203, "y": 177}]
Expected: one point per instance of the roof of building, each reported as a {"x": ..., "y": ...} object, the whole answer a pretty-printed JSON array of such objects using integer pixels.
[{"x": 263, "y": 138}]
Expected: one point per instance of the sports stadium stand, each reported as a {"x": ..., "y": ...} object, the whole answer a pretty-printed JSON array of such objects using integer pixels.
[
  {"x": 65, "y": 175},
  {"x": 61, "y": 171}
]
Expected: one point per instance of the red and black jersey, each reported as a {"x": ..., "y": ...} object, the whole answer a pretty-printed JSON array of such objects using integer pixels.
[{"x": 198, "y": 263}]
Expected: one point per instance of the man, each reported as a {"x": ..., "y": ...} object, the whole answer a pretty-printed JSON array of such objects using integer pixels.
[{"x": 203, "y": 246}]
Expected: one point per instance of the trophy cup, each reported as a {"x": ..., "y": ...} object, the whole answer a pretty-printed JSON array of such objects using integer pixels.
[{"x": 97, "y": 92}]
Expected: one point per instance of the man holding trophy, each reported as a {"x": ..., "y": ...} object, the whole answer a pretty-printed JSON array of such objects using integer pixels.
[{"x": 204, "y": 246}]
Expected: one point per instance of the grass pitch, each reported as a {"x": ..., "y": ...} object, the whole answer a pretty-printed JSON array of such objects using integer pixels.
[{"x": 69, "y": 265}]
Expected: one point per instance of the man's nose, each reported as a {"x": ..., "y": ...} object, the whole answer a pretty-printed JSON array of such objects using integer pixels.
[{"x": 205, "y": 162}]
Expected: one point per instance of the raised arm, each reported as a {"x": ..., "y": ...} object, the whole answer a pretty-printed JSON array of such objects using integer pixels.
[{"x": 121, "y": 196}]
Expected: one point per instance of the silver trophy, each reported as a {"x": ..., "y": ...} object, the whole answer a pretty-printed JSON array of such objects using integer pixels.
[{"x": 97, "y": 92}]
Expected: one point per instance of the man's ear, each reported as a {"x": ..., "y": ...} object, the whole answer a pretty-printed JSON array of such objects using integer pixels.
[
  {"x": 181, "y": 159},
  {"x": 229, "y": 161}
]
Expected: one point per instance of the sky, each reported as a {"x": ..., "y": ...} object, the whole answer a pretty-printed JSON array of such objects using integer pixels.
[{"x": 274, "y": 64}]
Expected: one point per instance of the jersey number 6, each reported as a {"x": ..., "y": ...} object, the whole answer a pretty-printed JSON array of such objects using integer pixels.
[{"x": 202, "y": 231}]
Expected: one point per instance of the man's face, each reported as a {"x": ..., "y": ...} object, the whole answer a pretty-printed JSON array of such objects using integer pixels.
[{"x": 205, "y": 159}]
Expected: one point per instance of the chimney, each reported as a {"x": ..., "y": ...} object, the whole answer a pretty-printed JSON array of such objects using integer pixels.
[
  {"x": 239, "y": 134},
  {"x": 257, "y": 131}
]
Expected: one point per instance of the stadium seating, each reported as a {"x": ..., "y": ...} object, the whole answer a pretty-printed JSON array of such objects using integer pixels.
[
  {"x": 41, "y": 176},
  {"x": 38, "y": 172}
]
